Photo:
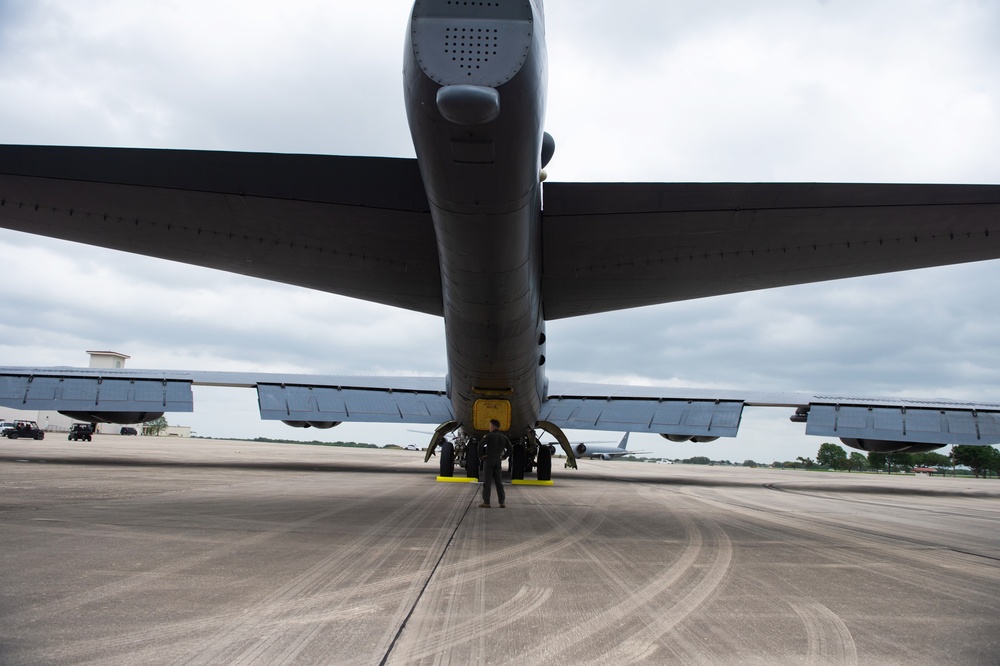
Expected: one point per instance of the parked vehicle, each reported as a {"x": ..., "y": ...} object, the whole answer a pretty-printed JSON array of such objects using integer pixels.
[
  {"x": 25, "y": 429},
  {"x": 128, "y": 430},
  {"x": 4, "y": 427},
  {"x": 80, "y": 431}
]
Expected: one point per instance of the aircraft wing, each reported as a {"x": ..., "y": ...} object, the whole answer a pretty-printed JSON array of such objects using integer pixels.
[
  {"x": 104, "y": 394},
  {"x": 612, "y": 246},
  {"x": 684, "y": 413},
  {"x": 355, "y": 226}
]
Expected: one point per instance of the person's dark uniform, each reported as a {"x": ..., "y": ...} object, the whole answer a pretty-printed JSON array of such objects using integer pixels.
[{"x": 493, "y": 448}]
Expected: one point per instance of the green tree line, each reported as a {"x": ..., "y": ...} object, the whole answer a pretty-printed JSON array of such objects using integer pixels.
[{"x": 982, "y": 460}]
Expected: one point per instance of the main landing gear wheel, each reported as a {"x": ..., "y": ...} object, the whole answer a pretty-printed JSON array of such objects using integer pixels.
[
  {"x": 471, "y": 461},
  {"x": 544, "y": 463},
  {"x": 447, "y": 459},
  {"x": 517, "y": 462}
]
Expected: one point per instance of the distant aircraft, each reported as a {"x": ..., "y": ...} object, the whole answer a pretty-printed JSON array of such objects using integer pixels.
[
  {"x": 584, "y": 450},
  {"x": 464, "y": 232}
]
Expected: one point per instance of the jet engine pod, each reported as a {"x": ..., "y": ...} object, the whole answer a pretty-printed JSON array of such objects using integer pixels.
[
  {"x": 113, "y": 417},
  {"x": 581, "y": 449},
  {"x": 889, "y": 446},
  {"x": 548, "y": 148},
  {"x": 323, "y": 425},
  {"x": 697, "y": 439}
]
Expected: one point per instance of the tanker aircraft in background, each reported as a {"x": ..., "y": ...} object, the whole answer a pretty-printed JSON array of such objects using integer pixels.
[
  {"x": 585, "y": 450},
  {"x": 464, "y": 232}
]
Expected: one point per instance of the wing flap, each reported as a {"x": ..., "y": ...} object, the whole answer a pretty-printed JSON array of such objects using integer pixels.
[
  {"x": 326, "y": 404},
  {"x": 690, "y": 412},
  {"x": 354, "y": 226},
  {"x": 81, "y": 394},
  {"x": 690, "y": 418},
  {"x": 285, "y": 397},
  {"x": 904, "y": 424},
  {"x": 611, "y": 246}
]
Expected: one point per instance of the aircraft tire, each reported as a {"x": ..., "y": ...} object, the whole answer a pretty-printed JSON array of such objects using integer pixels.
[
  {"x": 517, "y": 462},
  {"x": 471, "y": 462},
  {"x": 544, "y": 464},
  {"x": 447, "y": 459}
]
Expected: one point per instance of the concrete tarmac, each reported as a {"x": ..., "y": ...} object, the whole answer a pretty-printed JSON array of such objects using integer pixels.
[{"x": 132, "y": 550}]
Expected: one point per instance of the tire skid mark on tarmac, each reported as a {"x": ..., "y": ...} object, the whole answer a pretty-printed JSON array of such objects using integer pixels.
[
  {"x": 566, "y": 529},
  {"x": 317, "y": 605},
  {"x": 330, "y": 585},
  {"x": 830, "y": 641},
  {"x": 641, "y": 644},
  {"x": 856, "y": 545},
  {"x": 455, "y": 578},
  {"x": 986, "y": 512},
  {"x": 525, "y": 602},
  {"x": 312, "y": 610},
  {"x": 990, "y": 517},
  {"x": 651, "y": 600},
  {"x": 140, "y": 580}
]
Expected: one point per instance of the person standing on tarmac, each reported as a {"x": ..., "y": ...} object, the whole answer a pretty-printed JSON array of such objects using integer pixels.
[{"x": 493, "y": 448}]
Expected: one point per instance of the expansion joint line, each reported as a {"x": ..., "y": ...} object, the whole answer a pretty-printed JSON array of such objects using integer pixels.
[{"x": 430, "y": 576}]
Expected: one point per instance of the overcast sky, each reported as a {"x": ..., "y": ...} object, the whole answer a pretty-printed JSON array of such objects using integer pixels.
[{"x": 834, "y": 91}]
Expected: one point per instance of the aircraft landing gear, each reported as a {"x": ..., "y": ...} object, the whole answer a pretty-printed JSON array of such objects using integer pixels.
[
  {"x": 447, "y": 459},
  {"x": 544, "y": 463},
  {"x": 527, "y": 455}
]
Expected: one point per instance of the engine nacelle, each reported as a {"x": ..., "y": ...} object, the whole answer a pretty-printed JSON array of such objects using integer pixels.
[
  {"x": 698, "y": 439},
  {"x": 889, "y": 446},
  {"x": 581, "y": 449},
  {"x": 323, "y": 425}
]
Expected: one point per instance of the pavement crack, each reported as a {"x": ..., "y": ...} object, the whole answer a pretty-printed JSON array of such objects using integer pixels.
[{"x": 430, "y": 576}]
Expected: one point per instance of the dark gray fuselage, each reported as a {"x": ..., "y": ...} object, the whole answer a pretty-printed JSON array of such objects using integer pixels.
[{"x": 482, "y": 182}]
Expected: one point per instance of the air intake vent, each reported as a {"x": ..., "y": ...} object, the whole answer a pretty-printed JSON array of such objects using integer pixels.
[
  {"x": 476, "y": 43},
  {"x": 472, "y": 48}
]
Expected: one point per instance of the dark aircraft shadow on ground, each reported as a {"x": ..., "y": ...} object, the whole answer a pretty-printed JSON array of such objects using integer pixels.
[
  {"x": 792, "y": 485},
  {"x": 804, "y": 485},
  {"x": 289, "y": 466}
]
